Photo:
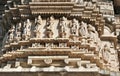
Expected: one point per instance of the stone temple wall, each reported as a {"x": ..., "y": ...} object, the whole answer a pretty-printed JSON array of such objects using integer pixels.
[{"x": 67, "y": 36}]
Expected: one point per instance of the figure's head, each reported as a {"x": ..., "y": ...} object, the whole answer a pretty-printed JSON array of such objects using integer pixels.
[
  {"x": 39, "y": 17},
  {"x": 82, "y": 22},
  {"x": 12, "y": 27},
  {"x": 51, "y": 18},
  {"x": 74, "y": 20},
  {"x": 20, "y": 24},
  {"x": 28, "y": 20},
  {"x": 63, "y": 18}
]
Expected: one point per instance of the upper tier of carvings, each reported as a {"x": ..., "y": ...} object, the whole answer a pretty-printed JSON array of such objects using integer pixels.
[
  {"x": 86, "y": 10},
  {"x": 51, "y": 28}
]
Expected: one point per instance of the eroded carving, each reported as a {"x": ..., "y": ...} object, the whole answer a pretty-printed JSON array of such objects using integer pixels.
[
  {"x": 63, "y": 26},
  {"x": 74, "y": 27},
  {"x": 27, "y": 29},
  {"x": 38, "y": 24},
  {"x": 11, "y": 34},
  {"x": 49, "y": 28},
  {"x": 83, "y": 31},
  {"x": 92, "y": 33},
  {"x": 18, "y": 32}
]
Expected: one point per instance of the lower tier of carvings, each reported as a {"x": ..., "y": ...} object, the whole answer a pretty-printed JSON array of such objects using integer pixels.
[
  {"x": 60, "y": 52},
  {"x": 61, "y": 58}
]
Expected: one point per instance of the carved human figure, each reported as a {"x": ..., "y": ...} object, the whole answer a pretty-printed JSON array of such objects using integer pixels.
[
  {"x": 11, "y": 34},
  {"x": 49, "y": 28},
  {"x": 63, "y": 26},
  {"x": 83, "y": 31},
  {"x": 27, "y": 29},
  {"x": 74, "y": 27},
  {"x": 18, "y": 31},
  {"x": 114, "y": 63},
  {"x": 106, "y": 53},
  {"x": 92, "y": 33},
  {"x": 38, "y": 25},
  {"x": 85, "y": 3}
]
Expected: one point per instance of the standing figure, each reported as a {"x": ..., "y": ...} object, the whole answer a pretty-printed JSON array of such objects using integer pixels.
[
  {"x": 74, "y": 27},
  {"x": 106, "y": 53},
  {"x": 38, "y": 25},
  {"x": 92, "y": 33},
  {"x": 49, "y": 28},
  {"x": 11, "y": 34},
  {"x": 18, "y": 31},
  {"x": 63, "y": 25},
  {"x": 27, "y": 29},
  {"x": 83, "y": 31}
]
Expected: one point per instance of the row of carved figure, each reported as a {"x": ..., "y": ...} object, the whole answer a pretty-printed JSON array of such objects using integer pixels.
[{"x": 28, "y": 30}]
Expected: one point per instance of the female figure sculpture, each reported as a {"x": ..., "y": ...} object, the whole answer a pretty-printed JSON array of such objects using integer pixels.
[
  {"x": 11, "y": 34},
  {"x": 63, "y": 25},
  {"x": 49, "y": 28},
  {"x": 18, "y": 32},
  {"x": 74, "y": 27},
  {"x": 27, "y": 29},
  {"x": 106, "y": 53},
  {"x": 38, "y": 25},
  {"x": 92, "y": 33},
  {"x": 83, "y": 31}
]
